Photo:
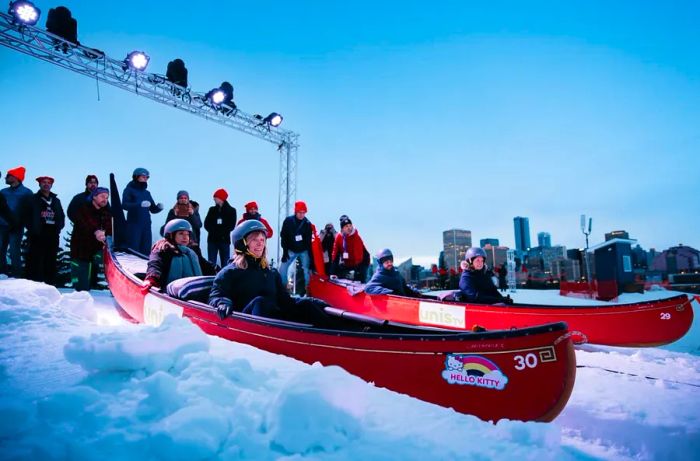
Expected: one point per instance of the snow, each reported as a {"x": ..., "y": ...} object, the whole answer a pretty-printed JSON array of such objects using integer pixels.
[{"x": 81, "y": 383}]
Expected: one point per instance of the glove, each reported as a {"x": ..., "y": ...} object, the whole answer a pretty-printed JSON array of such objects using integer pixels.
[
  {"x": 159, "y": 206},
  {"x": 508, "y": 300},
  {"x": 334, "y": 277},
  {"x": 285, "y": 256},
  {"x": 146, "y": 286},
  {"x": 145, "y": 204},
  {"x": 224, "y": 310}
]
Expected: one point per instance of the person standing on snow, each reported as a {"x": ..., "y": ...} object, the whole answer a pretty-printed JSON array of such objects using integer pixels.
[
  {"x": 44, "y": 220},
  {"x": 219, "y": 222},
  {"x": 138, "y": 202},
  {"x": 349, "y": 252},
  {"x": 295, "y": 239},
  {"x": 187, "y": 210},
  {"x": 251, "y": 212},
  {"x": 16, "y": 196},
  {"x": 92, "y": 225},
  {"x": 82, "y": 198},
  {"x": 327, "y": 236}
]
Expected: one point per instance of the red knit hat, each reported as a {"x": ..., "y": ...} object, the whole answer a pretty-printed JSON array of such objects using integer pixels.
[
  {"x": 300, "y": 207},
  {"x": 221, "y": 194},
  {"x": 41, "y": 178},
  {"x": 250, "y": 205},
  {"x": 18, "y": 173}
]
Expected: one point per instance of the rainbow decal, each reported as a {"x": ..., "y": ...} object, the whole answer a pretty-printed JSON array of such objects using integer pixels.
[{"x": 473, "y": 370}]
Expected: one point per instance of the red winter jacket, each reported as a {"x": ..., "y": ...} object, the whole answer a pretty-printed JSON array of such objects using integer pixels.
[{"x": 355, "y": 248}]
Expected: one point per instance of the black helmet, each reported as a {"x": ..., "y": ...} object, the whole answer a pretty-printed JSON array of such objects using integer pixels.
[
  {"x": 384, "y": 255},
  {"x": 474, "y": 252},
  {"x": 175, "y": 225},
  {"x": 245, "y": 228}
]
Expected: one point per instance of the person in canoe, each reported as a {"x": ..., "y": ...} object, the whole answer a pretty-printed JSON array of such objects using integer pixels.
[
  {"x": 387, "y": 280},
  {"x": 175, "y": 256},
  {"x": 248, "y": 284},
  {"x": 475, "y": 285}
]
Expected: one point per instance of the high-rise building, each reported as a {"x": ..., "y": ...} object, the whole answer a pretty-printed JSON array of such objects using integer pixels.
[
  {"x": 544, "y": 239},
  {"x": 484, "y": 242},
  {"x": 455, "y": 243},
  {"x": 496, "y": 256},
  {"x": 522, "y": 234}
]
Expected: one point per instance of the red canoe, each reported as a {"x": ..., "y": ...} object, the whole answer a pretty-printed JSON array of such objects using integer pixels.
[
  {"x": 524, "y": 374},
  {"x": 649, "y": 323}
]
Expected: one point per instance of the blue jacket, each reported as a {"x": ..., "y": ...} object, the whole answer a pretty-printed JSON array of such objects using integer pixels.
[
  {"x": 134, "y": 194},
  {"x": 477, "y": 287},
  {"x": 16, "y": 197},
  {"x": 385, "y": 282}
]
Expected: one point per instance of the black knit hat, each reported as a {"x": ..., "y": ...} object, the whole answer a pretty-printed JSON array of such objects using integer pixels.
[
  {"x": 91, "y": 177},
  {"x": 344, "y": 220}
]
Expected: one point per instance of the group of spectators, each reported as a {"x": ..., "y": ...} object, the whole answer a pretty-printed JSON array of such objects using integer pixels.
[{"x": 41, "y": 214}]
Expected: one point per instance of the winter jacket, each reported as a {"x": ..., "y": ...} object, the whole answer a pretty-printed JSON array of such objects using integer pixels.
[
  {"x": 194, "y": 220},
  {"x": 16, "y": 197},
  {"x": 6, "y": 213},
  {"x": 351, "y": 246},
  {"x": 295, "y": 235},
  {"x": 237, "y": 287},
  {"x": 219, "y": 223},
  {"x": 247, "y": 216},
  {"x": 477, "y": 287},
  {"x": 88, "y": 219},
  {"x": 161, "y": 263},
  {"x": 134, "y": 194},
  {"x": 43, "y": 214},
  {"x": 327, "y": 241},
  {"x": 76, "y": 203},
  {"x": 389, "y": 282}
]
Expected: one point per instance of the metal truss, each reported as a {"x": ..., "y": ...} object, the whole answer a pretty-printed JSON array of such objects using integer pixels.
[{"x": 94, "y": 63}]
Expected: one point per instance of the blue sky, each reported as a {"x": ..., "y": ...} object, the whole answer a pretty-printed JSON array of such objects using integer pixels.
[{"x": 413, "y": 118}]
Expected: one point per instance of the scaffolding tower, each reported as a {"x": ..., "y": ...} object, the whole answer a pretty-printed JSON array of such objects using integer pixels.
[{"x": 93, "y": 63}]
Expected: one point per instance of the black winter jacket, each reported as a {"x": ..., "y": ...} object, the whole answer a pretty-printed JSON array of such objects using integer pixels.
[
  {"x": 219, "y": 223},
  {"x": 38, "y": 211},
  {"x": 291, "y": 227},
  {"x": 237, "y": 287},
  {"x": 477, "y": 287},
  {"x": 389, "y": 282}
]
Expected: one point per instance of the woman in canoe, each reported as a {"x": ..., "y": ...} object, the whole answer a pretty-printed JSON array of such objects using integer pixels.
[
  {"x": 475, "y": 285},
  {"x": 249, "y": 285}
]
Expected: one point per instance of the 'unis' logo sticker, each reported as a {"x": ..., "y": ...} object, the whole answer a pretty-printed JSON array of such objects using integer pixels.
[
  {"x": 443, "y": 315},
  {"x": 473, "y": 370}
]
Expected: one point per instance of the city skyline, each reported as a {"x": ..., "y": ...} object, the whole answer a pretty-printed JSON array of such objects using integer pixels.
[{"x": 411, "y": 121}]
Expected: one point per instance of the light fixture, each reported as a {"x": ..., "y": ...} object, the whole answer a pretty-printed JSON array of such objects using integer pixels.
[
  {"x": 177, "y": 72},
  {"x": 136, "y": 60},
  {"x": 274, "y": 119},
  {"x": 221, "y": 95},
  {"x": 60, "y": 22},
  {"x": 24, "y": 12}
]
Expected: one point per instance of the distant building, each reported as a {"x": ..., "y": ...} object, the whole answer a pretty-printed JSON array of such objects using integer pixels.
[
  {"x": 406, "y": 269},
  {"x": 566, "y": 270},
  {"x": 484, "y": 242},
  {"x": 676, "y": 259},
  {"x": 618, "y": 234},
  {"x": 542, "y": 258},
  {"x": 495, "y": 255},
  {"x": 455, "y": 243},
  {"x": 613, "y": 267},
  {"x": 522, "y": 234},
  {"x": 544, "y": 239}
]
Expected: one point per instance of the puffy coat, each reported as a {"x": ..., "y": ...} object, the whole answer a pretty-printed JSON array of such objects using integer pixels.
[
  {"x": 161, "y": 259},
  {"x": 88, "y": 219},
  {"x": 219, "y": 223},
  {"x": 355, "y": 249},
  {"x": 477, "y": 287},
  {"x": 389, "y": 282}
]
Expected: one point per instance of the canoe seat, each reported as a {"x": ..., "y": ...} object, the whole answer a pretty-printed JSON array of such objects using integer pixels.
[{"x": 191, "y": 288}]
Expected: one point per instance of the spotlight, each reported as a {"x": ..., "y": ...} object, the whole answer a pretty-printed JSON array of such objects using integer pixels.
[
  {"x": 136, "y": 60},
  {"x": 274, "y": 119},
  {"x": 60, "y": 22},
  {"x": 177, "y": 72},
  {"x": 24, "y": 12},
  {"x": 221, "y": 95}
]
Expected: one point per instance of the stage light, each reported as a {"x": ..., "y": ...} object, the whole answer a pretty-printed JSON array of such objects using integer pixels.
[
  {"x": 215, "y": 96},
  {"x": 221, "y": 95},
  {"x": 24, "y": 12},
  {"x": 136, "y": 60},
  {"x": 274, "y": 119},
  {"x": 61, "y": 22},
  {"x": 177, "y": 72}
]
